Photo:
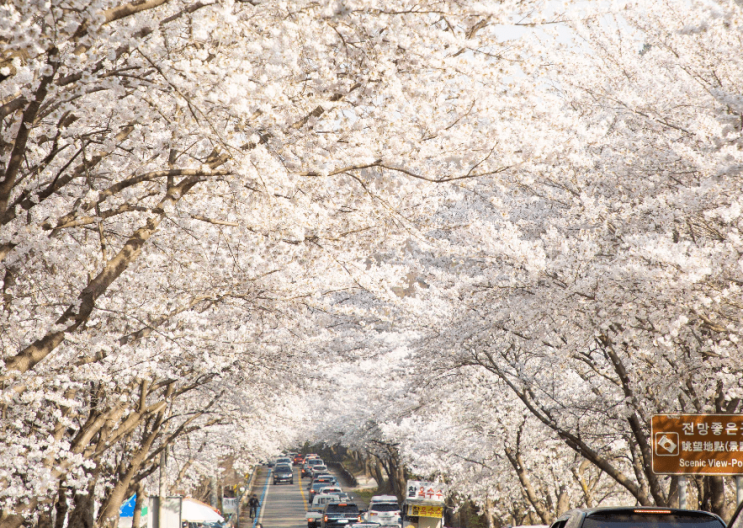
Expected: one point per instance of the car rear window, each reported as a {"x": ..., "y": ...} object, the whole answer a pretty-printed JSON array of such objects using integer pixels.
[
  {"x": 640, "y": 519},
  {"x": 314, "y": 461},
  {"x": 342, "y": 508},
  {"x": 384, "y": 507}
]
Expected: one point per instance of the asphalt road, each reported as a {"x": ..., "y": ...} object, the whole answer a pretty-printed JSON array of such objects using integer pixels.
[{"x": 282, "y": 505}]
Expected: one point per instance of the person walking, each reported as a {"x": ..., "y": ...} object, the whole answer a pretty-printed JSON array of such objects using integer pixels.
[{"x": 253, "y": 503}]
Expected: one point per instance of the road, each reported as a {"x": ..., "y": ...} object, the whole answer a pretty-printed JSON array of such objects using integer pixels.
[{"x": 282, "y": 505}]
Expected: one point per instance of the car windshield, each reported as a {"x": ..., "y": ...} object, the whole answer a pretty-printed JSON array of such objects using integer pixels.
[
  {"x": 639, "y": 519},
  {"x": 384, "y": 507},
  {"x": 283, "y": 469}
]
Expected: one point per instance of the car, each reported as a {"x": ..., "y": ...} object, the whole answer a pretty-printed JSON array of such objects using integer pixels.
[
  {"x": 637, "y": 517},
  {"x": 330, "y": 490},
  {"x": 308, "y": 464},
  {"x": 327, "y": 477},
  {"x": 328, "y": 480},
  {"x": 283, "y": 473},
  {"x": 317, "y": 486},
  {"x": 318, "y": 469},
  {"x": 384, "y": 510},
  {"x": 340, "y": 515},
  {"x": 298, "y": 460},
  {"x": 284, "y": 461},
  {"x": 383, "y": 498},
  {"x": 342, "y": 496},
  {"x": 314, "y": 513}
]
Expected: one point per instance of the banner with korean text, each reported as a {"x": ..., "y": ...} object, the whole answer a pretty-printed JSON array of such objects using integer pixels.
[
  {"x": 418, "y": 490},
  {"x": 699, "y": 444}
]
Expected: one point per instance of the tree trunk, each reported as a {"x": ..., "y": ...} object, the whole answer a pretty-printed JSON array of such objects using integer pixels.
[
  {"x": 518, "y": 465},
  {"x": 377, "y": 474},
  {"x": 714, "y": 497},
  {"x": 62, "y": 508},
  {"x": 82, "y": 513},
  {"x": 141, "y": 499}
]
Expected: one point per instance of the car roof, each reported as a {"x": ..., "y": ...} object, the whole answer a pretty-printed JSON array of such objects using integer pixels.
[
  {"x": 632, "y": 509},
  {"x": 383, "y": 498}
]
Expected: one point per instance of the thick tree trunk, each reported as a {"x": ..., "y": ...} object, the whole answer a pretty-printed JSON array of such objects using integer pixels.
[
  {"x": 378, "y": 474},
  {"x": 713, "y": 499},
  {"x": 82, "y": 513}
]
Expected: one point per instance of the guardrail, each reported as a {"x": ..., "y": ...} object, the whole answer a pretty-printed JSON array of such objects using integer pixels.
[{"x": 345, "y": 472}]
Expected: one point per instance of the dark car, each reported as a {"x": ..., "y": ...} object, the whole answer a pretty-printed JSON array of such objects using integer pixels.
[
  {"x": 340, "y": 515},
  {"x": 283, "y": 473},
  {"x": 639, "y": 517}
]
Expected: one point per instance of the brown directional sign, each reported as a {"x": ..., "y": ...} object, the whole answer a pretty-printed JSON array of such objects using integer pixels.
[{"x": 699, "y": 444}]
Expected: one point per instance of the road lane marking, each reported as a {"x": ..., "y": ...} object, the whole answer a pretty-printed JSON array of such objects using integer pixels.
[
  {"x": 264, "y": 495},
  {"x": 301, "y": 490}
]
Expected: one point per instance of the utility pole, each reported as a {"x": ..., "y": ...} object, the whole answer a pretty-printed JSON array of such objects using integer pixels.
[
  {"x": 239, "y": 501},
  {"x": 213, "y": 491},
  {"x": 163, "y": 491}
]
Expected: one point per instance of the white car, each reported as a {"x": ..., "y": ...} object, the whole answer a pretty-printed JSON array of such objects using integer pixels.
[
  {"x": 384, "y": 510},
  {"x": 318, "y": 469}
]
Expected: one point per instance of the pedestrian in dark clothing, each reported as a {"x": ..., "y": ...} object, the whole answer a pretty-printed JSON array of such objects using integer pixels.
[{"x": 253, "y": 503}]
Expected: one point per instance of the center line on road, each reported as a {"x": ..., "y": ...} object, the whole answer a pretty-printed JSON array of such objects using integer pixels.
[{"x": 301, "y": 490}]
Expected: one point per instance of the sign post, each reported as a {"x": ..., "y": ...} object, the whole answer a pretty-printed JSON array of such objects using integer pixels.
[{"x": 698, "y": 444}]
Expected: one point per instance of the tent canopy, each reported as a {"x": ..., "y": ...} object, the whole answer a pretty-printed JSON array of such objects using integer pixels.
[{"x": 196, "y": 511}]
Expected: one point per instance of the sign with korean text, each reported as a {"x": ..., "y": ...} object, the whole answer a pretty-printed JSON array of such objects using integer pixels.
[
  {"x": 699, "y": 444},
  {"x": 229, "y": 505},
  {"x": 425, "y": 511},
  {"x": 425, "y": 491}
]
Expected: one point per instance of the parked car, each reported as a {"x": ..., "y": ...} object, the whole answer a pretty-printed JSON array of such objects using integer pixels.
[
  {"x": 283, "y": 473},
  {"x": 340, "y": 515},
  {"x": 638, "y": 517},
  {"x": 383, "y": 509}
]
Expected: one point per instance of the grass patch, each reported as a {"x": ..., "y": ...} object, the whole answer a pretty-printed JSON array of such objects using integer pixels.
[{"x": 365, "y": 494}]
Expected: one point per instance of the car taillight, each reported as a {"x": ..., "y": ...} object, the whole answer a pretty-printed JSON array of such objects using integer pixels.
[
  {"x": 325, "y": 519},
  {"x": 359, "y": 518},
  {"x": 373, "y": 513}
]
